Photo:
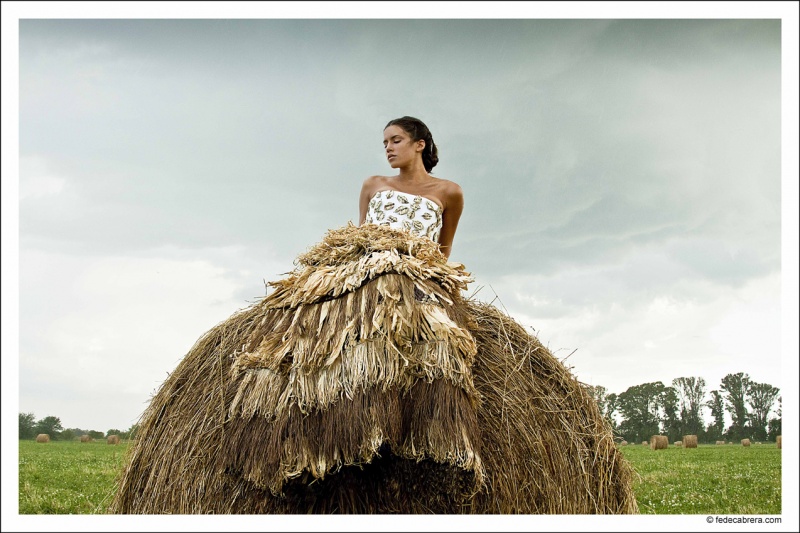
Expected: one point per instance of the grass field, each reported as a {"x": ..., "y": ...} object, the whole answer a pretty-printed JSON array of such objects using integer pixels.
[
  {"x": 68, "y": 477},
  {"x": 709, "y": 479},
  {"x": 79, "y": 478}
]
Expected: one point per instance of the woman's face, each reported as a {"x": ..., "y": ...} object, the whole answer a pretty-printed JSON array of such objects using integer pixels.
[{"x": 400, "y": 149}]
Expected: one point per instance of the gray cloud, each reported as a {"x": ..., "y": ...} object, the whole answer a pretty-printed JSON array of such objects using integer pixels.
[{"x": 606, "y": 164}]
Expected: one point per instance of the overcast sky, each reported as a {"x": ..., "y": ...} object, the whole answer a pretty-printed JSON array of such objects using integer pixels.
[{"x": 622, "y": 182}]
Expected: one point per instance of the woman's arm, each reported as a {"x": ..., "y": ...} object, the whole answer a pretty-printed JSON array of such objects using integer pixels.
[
  {"x": 367, "y": 192},
  {"x": 454, "y": 205}
]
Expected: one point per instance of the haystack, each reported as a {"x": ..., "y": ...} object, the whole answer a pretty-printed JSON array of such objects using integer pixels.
[
  {"x": 86, "y": 438},
  {"x": 689, "y": 441},
  {"x": 623, "y": 443},
  {"x": 720, "y": 442},
  {"x": 678, "y": 443},
  {"x": 645, "y": 443},
  {"x": 113, "y": 439},
  {"x": 365, "y": 383},
  {"x": 746, "y": 442},
  {"x": 43, "y": 437},
  {"x": 659, "y": 442},
  {"x": 778, "y": 441}
]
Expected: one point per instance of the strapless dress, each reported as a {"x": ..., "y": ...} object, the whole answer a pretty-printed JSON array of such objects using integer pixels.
[{"x": 416, "y": 214}]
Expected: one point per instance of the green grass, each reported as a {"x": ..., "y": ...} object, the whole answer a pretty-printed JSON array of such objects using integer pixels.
[
  {"x": 709, "y": 479},
  {"x": 68, "y": 477},
  {"x": 79, "y": 478}
]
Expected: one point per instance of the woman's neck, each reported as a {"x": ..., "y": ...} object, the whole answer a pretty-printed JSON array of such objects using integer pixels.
[{"x": 413, "y": 173}]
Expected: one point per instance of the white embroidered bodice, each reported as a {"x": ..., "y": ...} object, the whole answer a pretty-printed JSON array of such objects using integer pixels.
[{"x": 410, "y": 212}]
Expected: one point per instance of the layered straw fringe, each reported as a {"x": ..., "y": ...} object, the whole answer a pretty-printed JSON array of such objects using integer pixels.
[{"x": 365, "y": 383}]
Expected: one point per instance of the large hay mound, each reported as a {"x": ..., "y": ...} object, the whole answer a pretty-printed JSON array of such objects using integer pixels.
[
  {"x": 86, "y": 438},
  {"x": 659, "y": 442},
  {"x": 113, "y": 439},
  {"x": 678, "y": 443},
  {"x": 689, "y": 441},
  {"x": 719, "y": 442},
  {"x": 365, "y": 383},
  {"x": 43, "y": 437},
  {"x": 746, "y": 442}
]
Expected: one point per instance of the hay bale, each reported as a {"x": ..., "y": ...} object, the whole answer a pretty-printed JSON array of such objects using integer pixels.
[
  {"x": 778, "y": 442},
  {"x": 113, "y": 439},
  {"x": 645, "y": 443},
  {"x": 86, "y": 438},
  {"x": 678, "y": 443},
  {"x": 514, "y": 431},
  {"x": 623, "y": 443},
  {"x": 43, "y": 437},
  {"x": 746, "y": 442},
  {"x": 659, "y": 442},
  {"x": 719, "y": 442},
  {"x": 690, "y": 441}
]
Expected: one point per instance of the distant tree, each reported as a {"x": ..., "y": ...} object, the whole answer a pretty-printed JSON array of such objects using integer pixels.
[
  {"x": 96, "y": 434},
  {"x": 639, "y": 407},
  {"x": 734, "y": 387},
  {"x": 691, "y": 391},
  {"x": 113, "y": 432},
  {"x": 716, "y": 429},
  {"x": 774, "y": 428},
  {"x": 612, "y": 404},
  {"x": 760, "y": 396},
  {"x": 670, "y": 421},
  {"x": 50, "y": 425},
  {"x": 67, "y": 434},
  {"x": 776, "y": 424},
  {"x": 27, "y": 423},
  {"x": 606, "y": 403}
]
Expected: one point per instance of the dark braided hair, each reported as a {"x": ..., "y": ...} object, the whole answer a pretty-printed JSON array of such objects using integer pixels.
[{"x": 419, "y": 132}]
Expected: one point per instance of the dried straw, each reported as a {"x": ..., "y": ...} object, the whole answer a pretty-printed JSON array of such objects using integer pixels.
[
  {"x": 778, "y": 441},
  {"x": 86, "y": 438},
  {"x": 719, "y": 442},
  {"x": 659, "y": 442},
  {"x": 365, "y": 383},
  {"x": 43, "y": 437},
  {"x": 113, "y": 439},
  {"x": 746, "y": 442},
  {"x": 689, "y": 441}
]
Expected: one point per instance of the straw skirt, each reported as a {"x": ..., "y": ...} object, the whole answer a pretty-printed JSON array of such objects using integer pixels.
[{"x": 366, "y": 383}]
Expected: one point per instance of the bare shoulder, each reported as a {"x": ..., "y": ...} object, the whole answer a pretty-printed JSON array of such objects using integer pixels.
[
  {"x": 451, "y": 190},
  {"x": 373, "y": 183}
]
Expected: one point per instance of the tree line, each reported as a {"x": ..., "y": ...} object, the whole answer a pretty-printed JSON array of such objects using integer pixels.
[
  {"x": 655, "y": 409},
  {"x": 635, "y": 415},
  {"x": 29, "y": 428}
]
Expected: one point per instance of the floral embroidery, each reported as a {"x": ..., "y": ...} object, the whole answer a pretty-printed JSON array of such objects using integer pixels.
[{"x": 406, "y": 211}]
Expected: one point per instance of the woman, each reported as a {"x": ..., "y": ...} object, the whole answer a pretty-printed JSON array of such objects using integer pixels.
[
  {"x": 409, "y": 147},
  {"x": 366, "y": 383}
]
